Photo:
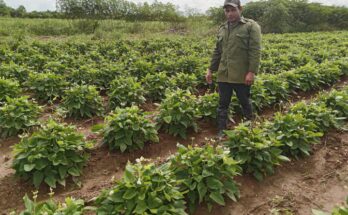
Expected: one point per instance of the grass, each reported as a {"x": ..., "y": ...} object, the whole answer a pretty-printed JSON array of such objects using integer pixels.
[{"x": 103, "y": 29}]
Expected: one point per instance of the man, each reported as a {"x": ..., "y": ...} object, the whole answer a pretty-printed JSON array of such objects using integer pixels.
[{"x": 237, "y": 59}]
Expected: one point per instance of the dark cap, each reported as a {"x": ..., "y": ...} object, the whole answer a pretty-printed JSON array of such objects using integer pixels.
[{"x": 233, "y": 3}]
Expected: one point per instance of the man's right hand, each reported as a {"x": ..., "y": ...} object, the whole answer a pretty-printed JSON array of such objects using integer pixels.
[{"x": 209, "y": 77}]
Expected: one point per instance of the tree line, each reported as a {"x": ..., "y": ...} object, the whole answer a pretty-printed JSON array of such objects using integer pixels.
[{"x": 281, "y": 16}]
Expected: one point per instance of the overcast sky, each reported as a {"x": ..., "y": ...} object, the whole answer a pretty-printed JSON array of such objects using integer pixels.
[{"x": 41, "y": 5}]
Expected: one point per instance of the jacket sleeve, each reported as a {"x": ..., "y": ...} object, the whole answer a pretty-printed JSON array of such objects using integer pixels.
[
  {"x": 216, "y": 57},
  {"x": 254, "y": 53}
]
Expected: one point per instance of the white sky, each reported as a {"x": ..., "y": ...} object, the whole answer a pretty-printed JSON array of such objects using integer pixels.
[{"x": 42, "y": 5}]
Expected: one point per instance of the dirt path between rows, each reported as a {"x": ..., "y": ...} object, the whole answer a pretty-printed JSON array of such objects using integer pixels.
[
  {"x": 316, "y": 182},
  {"x": 104, "y": 165}
]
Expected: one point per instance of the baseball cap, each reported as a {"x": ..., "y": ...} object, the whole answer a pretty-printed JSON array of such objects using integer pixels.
[{"x": 233, "y": 3}]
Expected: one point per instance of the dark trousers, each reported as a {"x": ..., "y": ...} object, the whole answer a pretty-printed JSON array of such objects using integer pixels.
[{"x": 225, "y": 94}]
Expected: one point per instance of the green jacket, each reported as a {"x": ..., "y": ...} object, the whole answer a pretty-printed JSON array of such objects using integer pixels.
[{"x": 237, "y": 51}]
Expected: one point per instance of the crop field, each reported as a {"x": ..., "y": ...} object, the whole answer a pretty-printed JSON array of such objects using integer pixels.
[{"x": 128, "y": 127}]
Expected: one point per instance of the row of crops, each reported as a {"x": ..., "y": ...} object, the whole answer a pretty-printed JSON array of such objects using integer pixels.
[
  {"x": 113, "y": 80},
  {"x": 194, "y": 174},
  {"x": 153, "y": 62},
  {"x": 178, "y": 111}
]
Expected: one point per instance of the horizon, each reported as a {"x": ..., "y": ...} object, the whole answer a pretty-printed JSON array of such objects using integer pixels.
[{"x": 183, "y": 5}]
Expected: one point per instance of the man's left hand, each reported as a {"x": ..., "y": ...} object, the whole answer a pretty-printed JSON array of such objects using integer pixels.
[{"x": 249, "y": 78}]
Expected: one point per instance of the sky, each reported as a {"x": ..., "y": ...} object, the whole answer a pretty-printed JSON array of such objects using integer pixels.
[{"x": 42, "y": 5}]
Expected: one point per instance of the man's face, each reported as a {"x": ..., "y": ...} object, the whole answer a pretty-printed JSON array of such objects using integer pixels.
[{"x": 232, "y": 14}]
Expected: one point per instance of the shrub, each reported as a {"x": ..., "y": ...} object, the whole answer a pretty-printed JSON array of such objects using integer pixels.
[
  {"x": 71, "y": 206},
  {"x": 46, "y": 86},
  {"x": 8, "y": 88},
  {"x": 255, "y": 149},
  {"x": 129, "y": 128},
  {"x": 295, "y": 132},
  {"x": 337, "y": 100},
  {"x": 206, "y": 174},
  {"x": 324, "y": 118},
  {"x": 144, "y": 189},
  {"x": 156, "y": 85},
  {"x": 185, "y": 82},
  {"x": 126, "y": 91},
  {"x": 82, "y": 102},
  {"x": 178, "y": 112},
  {"x": 51, "y": 155},
  {"x": 18, "y": 115},
  {"x": 207, "y": 105}
]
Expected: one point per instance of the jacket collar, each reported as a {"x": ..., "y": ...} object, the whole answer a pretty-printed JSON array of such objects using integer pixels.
[{"x": 242, "y": 20}]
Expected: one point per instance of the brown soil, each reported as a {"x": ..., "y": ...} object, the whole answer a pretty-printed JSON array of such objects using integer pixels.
[
  {"x": 316, "y": 182},
  {"x": 298, "y": 186}
]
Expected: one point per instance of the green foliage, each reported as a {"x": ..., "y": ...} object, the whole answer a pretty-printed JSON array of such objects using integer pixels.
[
  {"x": 259, "y": 96},
  {"x": 14, "y": 71},
  {"x": 295, "y": 132},
  {"x": 185, "y": 82},
  {"x": 341, "y": 210},
  {"x": 178, "y": 112},
  {"x": 280, "y": 16},
  {"x": 18, "y": 115},
  {"x": 8, "y": 88},
  {"x": 309, "y": 77},
  {"x": 71, "y": 206},
  {"x": 324, "y": 118},
  {"x": 155, "y": 85},
  {"x": 129, "y": 129},
  {"x": 51, "y": 155},
  {"x": 144, "y": 189},
  {"x": 256, "y": 150},
  {"x": 82, "y": 102},
  {"x": 125, "y": 92},
  {"x": 276, "y": 88},
  {"x": 337, "y": 100},
  {"x": 46, "y": 86},
  {"x": 206, "y": 174},
  {"x": 330, "y": 72},
  {"x": 126, "y": 10},
  {"x": 207, "y": 105}
]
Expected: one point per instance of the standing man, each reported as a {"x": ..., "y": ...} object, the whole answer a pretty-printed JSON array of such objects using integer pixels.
[{"x": 236, "y": 59}]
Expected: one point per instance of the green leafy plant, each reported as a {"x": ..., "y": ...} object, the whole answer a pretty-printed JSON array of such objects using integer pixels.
[
  {"x": 82, "y": 102},
  {"x": 51, "y": 155},
  {"x": 256, "y": 150},
  {"x": 277, "y": 88},
  {"x": 184, "y": 81},
  {"x": 337, "y": 100},
  {"x": 309, "y": 77},
  {"x": 207, "y": 105},
  {"x": 178, "y": 112},
  {"x": 18, "y": 115},
  {"x": 293, "y": 80},
  {"x": 8, "y": 88},
  {"x": 126, "y": 91},
  {"x": 14, "y": 71},
  {"x": 330, "y": 72},
  {"x": 295, "y": 133},
  {"x": 47, "y": 86},
  {"x": 144, "y": 189},
  {"x": 324, "y": 118},
  {"x": 129, "y": 129},
  {"x": 156, "y": 85},
  {"x": 71, "y": 206},
  {"x": 206, "y": 174}
]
